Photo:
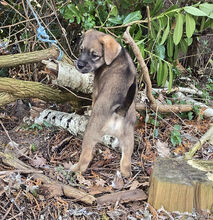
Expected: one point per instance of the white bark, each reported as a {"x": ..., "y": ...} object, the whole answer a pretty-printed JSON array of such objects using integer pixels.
[
  {"x": 74, "y": 123},
  {"x": 193, "y": 91},
  {"x": 208, "y": 112},
  {"x": 68, "y": 76}
]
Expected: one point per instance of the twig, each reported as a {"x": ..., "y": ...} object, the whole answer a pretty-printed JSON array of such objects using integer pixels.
[
  {"x": 144, "y": 68},
  {"x": 123, "y": 25},
  {"x": 60, "y": 188},
  {"x": 149, "y": 19},
  {"x": 208, "y": 135},
  {"x": 8, "y": 211},
  {"x": 20, "y": 171},
  {"x": 13, "y": 143}
]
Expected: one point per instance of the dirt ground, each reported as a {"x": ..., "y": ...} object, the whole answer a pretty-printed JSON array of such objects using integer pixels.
[{"x": 52, "y": 150}]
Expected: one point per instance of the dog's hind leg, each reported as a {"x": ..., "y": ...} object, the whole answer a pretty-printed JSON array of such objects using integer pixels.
[
  {"x": 126, "y": 145},
  {"x": 88, "y": 145}
]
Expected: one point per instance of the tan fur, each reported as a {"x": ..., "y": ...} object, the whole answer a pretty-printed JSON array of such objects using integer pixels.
[{"x": 114, "y": 74}]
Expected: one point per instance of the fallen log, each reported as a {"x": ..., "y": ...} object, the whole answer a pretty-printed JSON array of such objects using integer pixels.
[
  {"x": 13, "y": 89},
  {"x": 62, "y": 189},
  {"x": 31, "y": 57},
  {"x": 165, "y": 108},
  {"x": 180, "y": 185},
  {"x": 122, "y": 197}
]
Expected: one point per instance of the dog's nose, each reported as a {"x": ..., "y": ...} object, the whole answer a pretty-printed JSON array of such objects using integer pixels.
[{"x": 81, "y": 64}]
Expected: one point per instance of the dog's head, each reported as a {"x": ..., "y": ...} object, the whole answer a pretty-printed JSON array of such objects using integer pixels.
[{"x": 97, "y": 49}]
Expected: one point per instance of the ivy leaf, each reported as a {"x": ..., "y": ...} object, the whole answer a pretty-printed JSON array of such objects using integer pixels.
[
  {"x": 165, "y": 34},
  {"x": 190, "y": 25},
  {"x": 133, "y": 16},
  {"x": 178, "y": 29},
  {"x": 194, "y": 11}
]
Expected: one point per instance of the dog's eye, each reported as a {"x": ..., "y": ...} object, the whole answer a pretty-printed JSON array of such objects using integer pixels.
[{"x": 95, "y": 56}]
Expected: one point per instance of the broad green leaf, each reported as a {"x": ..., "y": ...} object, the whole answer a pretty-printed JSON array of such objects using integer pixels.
[
  {"x": 189, "y": 41},
  {"x": 141, "y": 47},
  {"x": 158, "y": 6},
  {"x": 165, "y": 34},
  {"x": 203, "y": 21},
  {"x": 160, "y": 73},
  {"x": 160, "y": 51},
  {"x": 163, "y": 21},
  {"x": 153, "y": 65},
  {"x": 170, "y": 46},
  {"x": 211, "y": 15},
  {"x": 133, "y": 16},
  {"x": 184, "y": 46},
  {"x": 73, "y": 9},
  {"x": 178, "y": 29},
  {"x": 194, "y": 11},
  {"x": 114, "y": 11},
  {"x": 170, "y": 78},
  {"x": 165, "y": 73},
  {"x": 190, "y": 25},
  {"x": 176, "y": 52},
  {"x": 153, "y": 32},
  {"x": 116, "y": 20},
  {"x": 211, "y": 24},
  {"x": 138, "y": 35},
  {"x": 206, "y": 8}
]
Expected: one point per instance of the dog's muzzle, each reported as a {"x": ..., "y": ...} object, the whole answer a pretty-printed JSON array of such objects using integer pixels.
[
  {"x": 83, "y": 66},
  {"x": 80, "y": 64}
]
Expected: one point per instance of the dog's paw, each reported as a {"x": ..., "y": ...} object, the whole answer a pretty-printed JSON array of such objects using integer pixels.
[
  {"x": 75, "y": 167},
  {"x": 126, "y": 171},
  {"x": 78, "y": 167}
]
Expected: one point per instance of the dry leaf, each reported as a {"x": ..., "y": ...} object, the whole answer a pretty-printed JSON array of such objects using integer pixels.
[
  {"x": 107, "y": 155},
  {"x": 118, "y": 182},
  {"x": 135, "y": 184},
  {"x": 50, "y": 190},
  {"x": 67, "y": 165},
  {"x": 100, "y": 182},
  {"x": 83, "y": 181},
  {"x": 38, "y": 161},
  {"x": 94, "y": 190},
  {"x": 162, "y": 148}
]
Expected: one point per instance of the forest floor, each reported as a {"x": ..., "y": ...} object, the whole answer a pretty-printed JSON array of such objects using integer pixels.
[{"x": 52, "y": 150}]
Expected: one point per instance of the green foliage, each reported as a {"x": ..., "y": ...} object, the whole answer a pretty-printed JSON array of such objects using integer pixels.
[
  {"x": 175, "y": 135},
  {"x": 33, "y": 147},
  {"x": 39, "y": 127},
  {"x": 171, "y": 30}
]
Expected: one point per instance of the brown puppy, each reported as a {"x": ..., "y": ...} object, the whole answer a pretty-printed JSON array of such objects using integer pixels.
[{"x": 113, "y": 97}]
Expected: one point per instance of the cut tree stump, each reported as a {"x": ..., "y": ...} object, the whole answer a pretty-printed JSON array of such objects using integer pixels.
[{"x": 181, "y": 185}]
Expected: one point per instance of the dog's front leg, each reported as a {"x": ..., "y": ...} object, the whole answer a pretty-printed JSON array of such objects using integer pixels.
[{"x": 89, "y": 142}]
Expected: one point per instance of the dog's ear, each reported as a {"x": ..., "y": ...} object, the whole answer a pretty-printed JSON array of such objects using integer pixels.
[{"x": 111, "y": 48}]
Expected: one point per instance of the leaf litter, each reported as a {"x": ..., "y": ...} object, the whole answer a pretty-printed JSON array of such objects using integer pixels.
[{"x": 56, "y": 150}]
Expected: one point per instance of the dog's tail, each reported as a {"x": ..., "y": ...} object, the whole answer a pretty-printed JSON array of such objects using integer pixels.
[{"x": 124, "y": 107}]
